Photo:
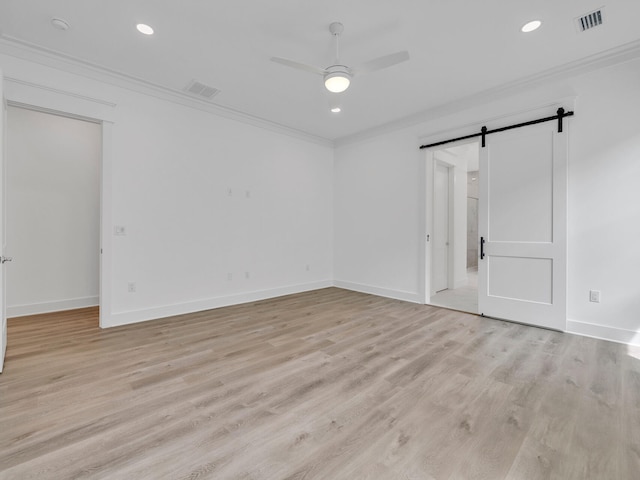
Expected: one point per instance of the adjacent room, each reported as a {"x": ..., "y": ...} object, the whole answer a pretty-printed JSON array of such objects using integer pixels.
[{"x": 319, "y": 240}]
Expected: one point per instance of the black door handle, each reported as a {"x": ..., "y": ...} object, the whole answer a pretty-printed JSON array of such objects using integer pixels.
[{"x": 481, "y": 248}]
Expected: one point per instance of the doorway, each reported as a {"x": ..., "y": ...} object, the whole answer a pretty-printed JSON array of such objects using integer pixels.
[
  {"x": 52, "y": 211},
  {"x": 522, "y": 220},
  {"x": 454, "y": 227}
]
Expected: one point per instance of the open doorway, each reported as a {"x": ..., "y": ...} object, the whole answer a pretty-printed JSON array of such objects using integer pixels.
[
  {"x": 453, "y": 227},
  {"x": 53, "y": 165}
]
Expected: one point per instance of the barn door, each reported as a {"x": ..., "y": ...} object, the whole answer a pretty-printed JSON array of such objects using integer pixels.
[{"x": 523, "y": 226}]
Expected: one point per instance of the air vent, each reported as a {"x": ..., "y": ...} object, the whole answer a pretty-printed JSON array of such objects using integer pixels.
[
  {"x": 590, "y": 20},
  {"x": 201, "y": 90}
]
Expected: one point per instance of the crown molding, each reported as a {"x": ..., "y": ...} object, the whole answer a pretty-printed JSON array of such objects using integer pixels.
[
  {"x": 60, "y": 91},
  {"x": 34, "y": 53},
  {"x": 37, "y": 54},
  {"x": 623, "y": 53}
]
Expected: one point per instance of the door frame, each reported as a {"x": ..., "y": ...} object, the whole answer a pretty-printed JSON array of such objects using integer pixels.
[
  {"x": 425, "y": 220},
  {"x": 429, "y": 164},
  {"x": 22, "y": 94}
]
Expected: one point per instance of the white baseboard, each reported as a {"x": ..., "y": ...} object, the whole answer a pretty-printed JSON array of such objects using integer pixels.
[
  {"x": 48, "y": 307},
  {"x": 381, "y": 292},
  {"x": 604, "y": 332},
  {"x": 126, "y": 318}
]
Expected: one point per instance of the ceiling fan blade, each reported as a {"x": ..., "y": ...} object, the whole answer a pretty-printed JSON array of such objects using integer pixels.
[
  {"x": 298, "y": 65},
  {"x": 382, "y": 62}
]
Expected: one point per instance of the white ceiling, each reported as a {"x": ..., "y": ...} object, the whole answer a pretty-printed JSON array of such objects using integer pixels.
[{"x": 458, "y": 48}]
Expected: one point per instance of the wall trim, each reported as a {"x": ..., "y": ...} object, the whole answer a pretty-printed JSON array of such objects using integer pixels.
[
  {"x": 412, "y": 297},
  {"x": 56, "y": 101},
  {"x": 125, "y": 318},
  {"x": 603, "y": 332},
  {"x": 60, "y": 91},
  {"x": 34, "y": 53},
  {"x": 49, "y": 307}
]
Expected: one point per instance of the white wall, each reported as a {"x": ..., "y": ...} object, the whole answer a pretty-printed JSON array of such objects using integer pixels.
[
  {"x": 377, "y": 195},
  {"x": 52, "y": 212},
  {"x": 168, "y": 172},
  {"x": 186, "y": 233},
  {"x": 604, "y": 204},
  {"x": 376, "y": 213},
  {"x": 170, "y": 167}
]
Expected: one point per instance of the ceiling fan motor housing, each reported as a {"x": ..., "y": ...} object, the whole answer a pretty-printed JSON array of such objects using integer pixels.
[{"x": 336, "y": 28}]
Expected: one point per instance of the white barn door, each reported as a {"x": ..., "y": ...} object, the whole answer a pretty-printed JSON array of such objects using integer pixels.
[{"x": 523, "y": 226}]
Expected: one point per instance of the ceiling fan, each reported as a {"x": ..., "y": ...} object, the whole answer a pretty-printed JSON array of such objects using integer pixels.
[{"x": 337, "y": 77}]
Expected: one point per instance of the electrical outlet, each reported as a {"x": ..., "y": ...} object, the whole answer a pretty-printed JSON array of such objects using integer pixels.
[
  {"x": 229, "y": 276},
  {"x": 308, "y": 267},
  {"x": 119, "y": 230},
  {"x": 594, "y": 296},
  {"x": 131, "y": 287},
  {"x": 247, "y": 275}
]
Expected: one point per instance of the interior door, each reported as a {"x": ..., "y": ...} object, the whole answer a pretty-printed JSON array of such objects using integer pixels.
[
  {"x": 440, "y": 228},
  {"x": 523, "y": 226},
  {"x": 3, "y": 309}
]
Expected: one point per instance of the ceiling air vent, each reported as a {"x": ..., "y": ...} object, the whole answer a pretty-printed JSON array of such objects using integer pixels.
[
  {"x": 590, "y": 20},
  {"x": 201, "y": 90}
]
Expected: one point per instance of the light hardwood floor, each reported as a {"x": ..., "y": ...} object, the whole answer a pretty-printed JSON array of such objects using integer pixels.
[{"x": 322, "y": 385}]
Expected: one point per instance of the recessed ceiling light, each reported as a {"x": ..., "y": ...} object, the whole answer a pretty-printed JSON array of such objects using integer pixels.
[
  {"x": 531, "y": 26},
  {"x": 60, "y": 24},
  {"x": 336, "y": 110},
  {"x": 143, "y": 28}
]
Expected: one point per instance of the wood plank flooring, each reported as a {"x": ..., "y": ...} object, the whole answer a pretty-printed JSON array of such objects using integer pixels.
[{"x": 328, "y": 384}]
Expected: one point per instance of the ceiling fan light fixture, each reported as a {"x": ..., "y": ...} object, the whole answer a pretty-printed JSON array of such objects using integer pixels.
[
  {"x": 337, "y": 77},
  {"x": 337, "y": 82}
]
